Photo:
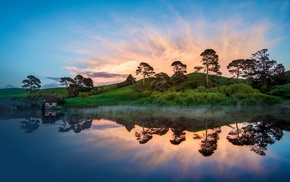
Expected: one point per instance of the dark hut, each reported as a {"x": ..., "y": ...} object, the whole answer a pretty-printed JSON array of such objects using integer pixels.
[{"x": 49, "y": 101}]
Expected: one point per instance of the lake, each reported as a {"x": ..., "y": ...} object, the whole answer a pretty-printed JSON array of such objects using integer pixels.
[{"x": 123, "y": 143}]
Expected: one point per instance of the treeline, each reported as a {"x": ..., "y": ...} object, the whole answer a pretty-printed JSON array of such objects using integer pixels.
[{"x": 259, "y": 70}]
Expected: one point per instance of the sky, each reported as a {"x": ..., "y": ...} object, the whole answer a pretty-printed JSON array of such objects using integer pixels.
[{"x": 107, "y": 40}]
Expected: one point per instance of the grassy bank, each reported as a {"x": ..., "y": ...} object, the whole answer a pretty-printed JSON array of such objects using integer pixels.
[{"x": 224, "y": 91}]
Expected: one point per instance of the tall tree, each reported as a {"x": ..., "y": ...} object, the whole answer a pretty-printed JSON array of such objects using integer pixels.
[
  {"x": 179, "y": 70},
  {"x": 240, "y": 67},
  {"x": 31, "y": 83},
  {"x": 265, "y": 71},
  {"x": 146, "y": 71},
  {"x": 210, "y": 60}
]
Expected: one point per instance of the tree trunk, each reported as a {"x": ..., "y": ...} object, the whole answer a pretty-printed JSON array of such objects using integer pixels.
[
  {"x": 238, "y": 74},
  {"x": 207, "y": 75},
  {"x": 143, "y": 85}
]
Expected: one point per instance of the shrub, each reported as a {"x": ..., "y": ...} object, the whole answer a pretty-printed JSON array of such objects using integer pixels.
[{"x": 201, "y": 89}]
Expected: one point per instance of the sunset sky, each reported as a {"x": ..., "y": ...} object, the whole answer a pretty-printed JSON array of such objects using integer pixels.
[{"x": 106, "y": 40}]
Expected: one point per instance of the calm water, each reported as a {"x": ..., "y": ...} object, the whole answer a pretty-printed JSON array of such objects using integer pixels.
[{"x": 147, "y": 144}]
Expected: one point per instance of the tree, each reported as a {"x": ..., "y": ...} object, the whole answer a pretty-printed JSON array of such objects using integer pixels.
[
  {"x": 265, "y": 71},
  {"x": 79, "y": 80},
  {"x": 88, "y": 82},
  {"x": 130, "y": 80},
  {"x": 161, "y": 82},
  {"x": 240, "y": 67},
  {"x": 31, "y": 83},
  {"x": 210, "y": 60},
  {"x": 146, "y": 71},
  {"x": 66, "y": 81},
  {"x": 179, "y": 70}
]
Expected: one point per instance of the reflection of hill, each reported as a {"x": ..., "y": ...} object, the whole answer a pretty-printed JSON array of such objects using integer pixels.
[{"x": 192, "y": 118}]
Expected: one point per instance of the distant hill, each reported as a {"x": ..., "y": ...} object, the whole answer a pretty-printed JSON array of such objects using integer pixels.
[{"x": 7, "y": 86}]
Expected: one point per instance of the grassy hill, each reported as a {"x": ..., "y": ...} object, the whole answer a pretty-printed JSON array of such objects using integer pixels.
[{"x": 223, "y": 91}]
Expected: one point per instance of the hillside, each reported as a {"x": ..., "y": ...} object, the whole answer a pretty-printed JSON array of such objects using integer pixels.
[{"x": 224, "y": 91}]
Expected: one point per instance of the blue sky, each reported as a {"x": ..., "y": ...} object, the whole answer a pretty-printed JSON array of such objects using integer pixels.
[{"x": 106, "y": 40}]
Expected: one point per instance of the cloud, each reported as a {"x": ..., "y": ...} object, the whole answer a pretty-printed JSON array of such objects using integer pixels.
[
  {"x": 160, "y": 43},
  {"x": 103, "y": 74},
  {"x": 53, "y": 78},
  {"x": 51, "y": 85}
]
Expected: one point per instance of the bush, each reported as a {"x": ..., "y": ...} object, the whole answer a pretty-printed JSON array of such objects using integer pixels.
[
  {"x": 83, "y": 95},
  {"x": 201, "y": 89}
]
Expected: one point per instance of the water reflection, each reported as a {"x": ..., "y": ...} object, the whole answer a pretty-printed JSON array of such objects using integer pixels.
[
  {"x": 253, "y": 130},
  {"x": 209, "y": 140},
  {"x": 258, "y": 133},
  {"x": 76, "y": 124},
  {"x": 30, "y": 124}
]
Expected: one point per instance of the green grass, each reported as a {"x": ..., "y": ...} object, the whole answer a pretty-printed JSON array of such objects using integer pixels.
[
  {"x": 191, "y": 93},
  {"x": 125, "y": 95},
  {"x": 281, "y": 90},
  {"x": 12, "y": 93}
]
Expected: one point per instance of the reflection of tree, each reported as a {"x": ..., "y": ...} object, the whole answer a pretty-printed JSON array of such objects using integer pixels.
[
  {"x": 178, "y": 135},
  {"x": 76, "y": 125},
  {"x": 29, "y": 125},
  {"x": 209, "y": 141},
  {"x": 260, "y": 132},
  {"x": 237, "y": 137},
  {"x": 144, "y": 136}
]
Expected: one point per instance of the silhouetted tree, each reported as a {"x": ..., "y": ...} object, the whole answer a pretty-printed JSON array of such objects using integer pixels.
[
  {"x": 240, "y": 67},
  {"x": 79, "y": 80},
  {"x": 88, "y": 83},
  {"x": 179, "y": 70},
  {"x": 161, "y": 82},
  {"x": 265, "y": 71},
  {"x": 146, "y": 71},
  {"x": 31, "y": 83},
  {"x": 130, "y": 80},
  {"x": 66, "y": 81},
  {"x": 210, "y": 60}
]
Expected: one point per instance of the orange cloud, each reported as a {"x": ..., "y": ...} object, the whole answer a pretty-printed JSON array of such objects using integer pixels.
[{"x": 159, "y": 45}]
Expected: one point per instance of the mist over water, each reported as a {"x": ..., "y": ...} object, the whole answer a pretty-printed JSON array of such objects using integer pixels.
[{"x": 147, "y": 143}]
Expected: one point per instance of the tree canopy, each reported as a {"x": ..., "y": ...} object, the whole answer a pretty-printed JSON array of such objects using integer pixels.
[
  {"x": 265, "y": 71},
  {"x": 210, "y": 60},
  {"x": 31, "y": 83},
  {"x": 179, "y": 70},
  {"x": 240, "y": 67},
  {"x": 146, "y": 71}
]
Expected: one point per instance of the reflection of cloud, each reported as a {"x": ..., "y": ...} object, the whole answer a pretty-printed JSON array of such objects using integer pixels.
[
  {"x": 184, "y": 159},
  {"x": 104, "y": 126}
]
